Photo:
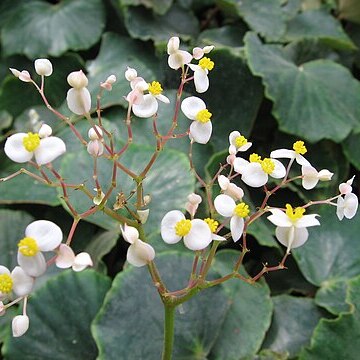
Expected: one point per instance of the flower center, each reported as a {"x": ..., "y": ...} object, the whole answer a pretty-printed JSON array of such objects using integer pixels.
[
  {"x": 6, "y": 283},
  {"x": 203, "y": 116},
  {"x": 268, "y": 165},
  {"x": 31, "y": 141},
  {"x": 240, "y": 141},
  {"x": 299, "y": 147},
  {"x": 213, "y": 224},
  {"x": 242, "y": 210},
  {"x": 155, "y": 88},
  {"x": 183, "y": 227},
  {"x": 28, "y": 246},
  {"x": 294, "y": 214},
  {"x": 255, "y": 158},
  {"x": 206, "y": 64}
]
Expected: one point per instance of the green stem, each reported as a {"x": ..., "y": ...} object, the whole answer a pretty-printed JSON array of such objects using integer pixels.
[{"x": 169, "y": 324}]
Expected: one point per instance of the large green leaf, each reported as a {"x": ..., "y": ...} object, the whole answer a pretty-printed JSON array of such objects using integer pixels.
[
  {"x": 292, "y": 324},
  {"x": 351, "y": 148},
  {"x": 39, "y": 29},
  {"x": 318, "y": 24},
  {"x": 248, "y": 317},
  {"x": 158, "y": 6},
  {"x": 60, "y": 315},
  {"x": 130, "y": 323},
  {"x": 332, "y": 251},
  {"x": 315, "y": 100},
  {"x": 338, "y": 338},
  {"x": 115, "y": 55}
]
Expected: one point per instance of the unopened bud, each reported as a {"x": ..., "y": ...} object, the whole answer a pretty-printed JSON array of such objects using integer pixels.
[
  {"x": 45, "y": 131},
  {"x": 325, "y": 175},
  {"x": 130, "y": 74},
  {"x": 43, "y": 67},
  {"x": 20, "y": 325},
  {"x": 92, "y": 133},
  {"x": 95, "y": 148},
  {"x": 173, "y": 45},
  {"x": 77, "y": 79}
]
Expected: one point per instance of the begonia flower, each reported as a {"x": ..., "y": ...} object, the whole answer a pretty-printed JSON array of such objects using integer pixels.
[
  {"x": 177, "y": 58},
  {"x": 196, "y": 233},
  {"x": 310, "y": 176},
  {"x": 299, "y": 149},
  {"x": 347, "y": 206},
  {"x": 18, "y": 282},
  {"x": 78, "y": 97},
  {"x": 199, "y": 52},
  {"x": 201, "y": 71},
  {"x": 193, "y": 203},
  {"x": 21, "y": 75},
  {"x": 346, "y": 188},
  {"x": 239, "y": 142},
  {"x": 66, "y": 258}
]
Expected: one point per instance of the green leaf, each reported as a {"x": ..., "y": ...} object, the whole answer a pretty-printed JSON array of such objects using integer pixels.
[
  {"x": 337, "y": 339},
  {"x": 228, "y": 36},
  {"x": 349, "y": 10},
  {"x": 351, "y": 147},
  {"x": 331, "y": 296},
  {"x": 60, "y": 315},
  {"x": 143, "y": 24},
  {"x": 332, "y": 251},
  {"x": 132, "y": 315},
  {"x": 5, "y": 119},
  {"x": 168, "y": 182},
  {"x": 291, "y": 7},
  {"x": 292, "y": 324},
  {"x": 115, "y": 55},
  {"x": 316, "y": 100},
  {"x": 24, "y": 32},
  {"x": 318, "y": 24},
  {"x": 264, "y": 17},
  {"x": 158, "y": 6},
  {"x": 234, "y": 97},
  {"x": 248, "y": 317}
]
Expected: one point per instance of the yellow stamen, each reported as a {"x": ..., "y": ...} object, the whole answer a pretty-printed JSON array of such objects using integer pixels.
[
  {"x": 206, "y": 64},
  {"x": 299, "y": 147},
  {"x": 203, "y": 116},
  {"x": 31, "y": 141},
  {"x": 242, "y": 210},
  {"x": 28, "y": 246},
  {"x": 6, "y": 283},
  {"x": 255, "y": 158},
  {"x": 240, "y": 141},
  {"x": 155, "y": 88},
  {"x": 183, "y": 227},
  {"x": 268, "y": 165},
  {"x": 294, "y": 214},
  {"x": 213, "y": 224}
]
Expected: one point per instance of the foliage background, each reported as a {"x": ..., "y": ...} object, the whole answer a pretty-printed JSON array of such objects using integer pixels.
[{"x": 285, "y": 69}]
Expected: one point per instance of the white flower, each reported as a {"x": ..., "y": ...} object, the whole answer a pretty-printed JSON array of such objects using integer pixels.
[
  {"x": 66, "y": 258},
  {"x": 21, "y": 147},
  {"x": 310, "y": 176},
  {"x": 347, "y": 206},
  {"x": 22, "y": 75},
  {"x": 20, "y": 325},
  {"x": 17, "y": 282},
  {"x": 199, "y": 52},
  {"x": 228, "y": 188},
  {"x": 40, "y": 235},
  {"x": 226, "y": 206},
  {"x": 256, "y": 172},
  {"x": 239, "y": 142},
  {"x": 193, "y": 203},
  {"x": 43, "y": 67},
  {"x": 78, "y": 98},
  {"x": 195, "y": 109},
  {"x": 346, "y": 188},
  {"x": 177, "y": 58},
  {"x": 291, "y": 225},
  {"x": 201, "y": 71},
  {"x": 297, "y": 153},
  {"x": 196, "y": 232},
  {"x": 139, "y": 252}
]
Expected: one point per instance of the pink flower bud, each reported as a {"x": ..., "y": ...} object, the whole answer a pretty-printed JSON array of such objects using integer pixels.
[
  {"x": 92, "y": 133},
  {"x": 95, "y": 148},
  {"x": 77, "y": 79}
]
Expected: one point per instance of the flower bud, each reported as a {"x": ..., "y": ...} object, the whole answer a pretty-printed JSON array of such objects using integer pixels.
[
  {"x": 77, "y": 79},
  {"x": 143, "y": 215},
  {"x": 95, "y": 148},
  {"x": 82, "y": 261},
  {"x": 22, "y": 75},
  {"x": 92, "y": 133},
  {"x": 111, "y": 79},
  {"x": 43, "y": 67},
  {"x": 20, "y": 325},
  {"x": 45, "y": 131},
  {"x": 130, "y": 74},
  {"x": 173, "y": 45},
  {"x": 325, "y": 175}
]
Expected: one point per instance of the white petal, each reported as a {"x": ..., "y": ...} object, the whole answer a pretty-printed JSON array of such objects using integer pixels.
[
  {"x": 79, "y": 100},
  {"x": 351, "y": 205},
  {"x": 224, "y": 205},
  {"x": 232, "y": 137},
  {"x": 186, "y": 56},
  {"x": 234, "y": 191},
  {"x": 147, "y": 108},
  {"x": 129, "y": 233},
  {"x": 49, "y": 149},
  {"x": 43, "y": 67},
  {"x": 240, "y": 164},
  {"x": 223, "y": 182},
  {"x": 173, "y": 45},
  {"x": 201, "y": 132},
  {"x": 253, "y": 175},
  {"x": 245, "y": 147},
  {"x": 168, "y": 226},
  {"x": 325, "y": 175},
  {"x": 217, "y": 237},
  {"x": 340, "y": 208},
  {"x": 279, "y": 171},
  {"x": 307, "y": 220},
  {"x": 283, "y": 153},
  {"x": 15, "y": 150},
  {"x": 299, "y": 236},
  {"x": 46, "y": 233},
  {"x": 201, "y": 81},
  {"x": 4, "y": 270},
  {"x": 22, "y": 282},
  {"x": 310, "y": 177},
  {"x": 301, "y": 160},
  {"x": 163, "y": 98},
  {"x": 140, "y": 253},
  {"x": 82, "y": 261},
  {"x": 236, "y": 227},
  {"x": 65, "y": 257},
  {"x": 199, "y": 236},
  {"x": 175, "y": 61},
  {"x": 191, "y": 106},
  {"x": 33, "y": 265},
  {"x": 20, "y": 325},
  {"x": 279, "y": 218}
]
